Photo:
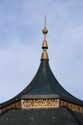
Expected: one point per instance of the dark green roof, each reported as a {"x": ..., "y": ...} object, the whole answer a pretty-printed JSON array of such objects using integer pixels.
[
  {"x": 59, "y": 116},
  {"x": 44, "y": 85}
]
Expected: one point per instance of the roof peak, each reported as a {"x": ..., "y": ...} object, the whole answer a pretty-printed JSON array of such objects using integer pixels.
[{"x": 44, "y": 55}]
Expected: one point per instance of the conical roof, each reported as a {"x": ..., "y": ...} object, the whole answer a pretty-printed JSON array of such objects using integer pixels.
[{"x": 44, "y": 84}]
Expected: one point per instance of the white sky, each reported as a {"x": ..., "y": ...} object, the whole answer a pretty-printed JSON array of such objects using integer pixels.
[{"x": 21, "y": 23}]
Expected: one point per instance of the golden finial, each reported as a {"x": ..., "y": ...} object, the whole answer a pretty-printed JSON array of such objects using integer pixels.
[
  {"x": 44, "y": 55},
  {"x": 45, "y": 31}
]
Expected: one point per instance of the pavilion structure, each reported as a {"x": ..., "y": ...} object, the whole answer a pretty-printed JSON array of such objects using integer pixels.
[{"x": 44, "y": 98}]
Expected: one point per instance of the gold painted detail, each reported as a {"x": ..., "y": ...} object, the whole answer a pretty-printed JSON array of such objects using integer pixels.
[
  {"x": 71, "y": 106},
  {"x": 40, "y": 103},
  {"x": 11, "y": 106}
]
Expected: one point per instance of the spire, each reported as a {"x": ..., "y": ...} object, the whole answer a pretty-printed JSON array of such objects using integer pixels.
[{"x": 44, "y": 55}]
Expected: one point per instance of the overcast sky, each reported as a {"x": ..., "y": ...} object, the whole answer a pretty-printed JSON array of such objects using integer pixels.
[{"x": 21, "y": 24}]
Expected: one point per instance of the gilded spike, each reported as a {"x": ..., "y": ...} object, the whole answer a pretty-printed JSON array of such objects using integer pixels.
[
  {"x": 45, "y": 30},
  {"x": 44, "y": 55}
]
